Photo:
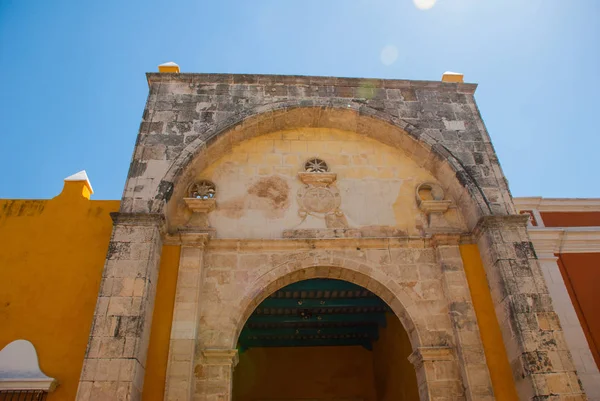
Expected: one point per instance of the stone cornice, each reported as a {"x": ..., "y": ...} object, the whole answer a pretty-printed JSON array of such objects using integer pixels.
[
  {"x": 558, "y": 204},
  {"x": 510, "y": 220},
  {"x": 283, "y": 244},
  {"x": 258, "y": 79},
  {"x": 187, "y": 238},
  {"x": 565, "y": 240},
  {"x": 227, "y": 357}
]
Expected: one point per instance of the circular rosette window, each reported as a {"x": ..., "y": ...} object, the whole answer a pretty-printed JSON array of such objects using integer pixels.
[
  {"x": 202, "y": 190},
  {"x": 316, "y": 166}
]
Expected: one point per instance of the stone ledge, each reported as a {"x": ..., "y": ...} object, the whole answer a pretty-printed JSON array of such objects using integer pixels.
[
  {"x": 197, "y": 238},
  {"x": 263, "y": 79},
  {"x": 446, "y": 240},
  {"x": 322, "y": 233},
  {"x": 307, "y": 244}
]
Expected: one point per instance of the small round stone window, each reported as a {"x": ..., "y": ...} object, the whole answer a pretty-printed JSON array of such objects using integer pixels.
[
  {"x": 316, "y": 166},
  {"x": 202, "y": 190},
  {"x": 430, "y": 191}
]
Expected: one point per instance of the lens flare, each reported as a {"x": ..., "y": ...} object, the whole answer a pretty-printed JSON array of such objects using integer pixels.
[
  {"x": 389, "y": 55},
  {"x": 424, "y": 4}
]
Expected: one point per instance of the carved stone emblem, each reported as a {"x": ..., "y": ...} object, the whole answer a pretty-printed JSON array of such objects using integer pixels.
[{"x": 320, "y": 198}]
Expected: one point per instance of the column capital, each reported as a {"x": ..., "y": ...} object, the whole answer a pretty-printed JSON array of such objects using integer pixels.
[
  {"x": 228, "y": 357},
  {"x": 430, "y": 354},
  {"x": 506, "y": 221},
  {"x": 445, "y": 239},
  {"x": 138, "y": 219}
]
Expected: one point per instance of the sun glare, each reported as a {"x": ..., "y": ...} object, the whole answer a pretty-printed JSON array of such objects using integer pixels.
[
  {"x": 424, "y": 4},
  {"x": 389, "y": 55}
]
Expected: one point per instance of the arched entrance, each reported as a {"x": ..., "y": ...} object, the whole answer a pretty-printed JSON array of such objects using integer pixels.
[
  {"x": 420, "y": 311},
  {"x": 324, "y": 339}
]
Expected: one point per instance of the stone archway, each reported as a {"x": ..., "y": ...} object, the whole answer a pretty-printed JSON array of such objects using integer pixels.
[
  {"x": 363, "y": 274},
  {"x": 421, "y": 296},
  {"x": 424, "y": 358}
]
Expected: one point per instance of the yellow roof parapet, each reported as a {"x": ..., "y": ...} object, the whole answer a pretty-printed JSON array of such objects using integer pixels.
[
  {"x": 169, "y": 67},
  {"x": 450, "y": 76}
]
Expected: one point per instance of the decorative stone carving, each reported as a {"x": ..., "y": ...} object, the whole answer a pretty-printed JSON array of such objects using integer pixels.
[
  {"x": 430, "y": 199},
  {"x": 319, "y": 197},
  {"x": 202, "y": 190},
  {"x": 317, "y": 179},
  {"x": 201, "y": 201}
]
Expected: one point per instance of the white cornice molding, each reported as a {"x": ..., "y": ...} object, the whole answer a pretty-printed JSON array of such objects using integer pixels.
[
  {"x": 20, "y": 370},
  {"x": 558, "y": 204},
  {"x": 565, "y": 240}
]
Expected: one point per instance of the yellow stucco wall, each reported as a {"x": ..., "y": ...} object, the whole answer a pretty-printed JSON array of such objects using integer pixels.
[
  {"x": 495, "y": 353},
  {"x": 51, "y": 261},
  {"x": 158, "y": 350},
  {"x": 395, "y": 377}
]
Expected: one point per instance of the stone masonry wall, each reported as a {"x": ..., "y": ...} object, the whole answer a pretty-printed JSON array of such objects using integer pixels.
[{"x": 185, "y": 110}]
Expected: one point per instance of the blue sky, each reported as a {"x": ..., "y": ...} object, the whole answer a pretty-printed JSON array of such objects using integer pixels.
[{"x": 74, "y": 88}]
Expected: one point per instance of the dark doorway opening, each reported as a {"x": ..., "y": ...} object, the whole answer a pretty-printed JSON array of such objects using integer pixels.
[{"x": 324, "y": 339}]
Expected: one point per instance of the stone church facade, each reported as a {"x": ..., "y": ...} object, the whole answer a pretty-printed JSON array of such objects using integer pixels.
[
  {"x": 267, "y": 181},
  {"x": 381, "y": 141}
]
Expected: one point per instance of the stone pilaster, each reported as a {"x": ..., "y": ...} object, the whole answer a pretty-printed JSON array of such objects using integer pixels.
[
  {"x": 438, "y": 377},
  {"x": 214, "y": 376},
  {"x": 184, "y": 330},
  {"x": 542, "y": 366},
  {"x": 115, "y": 360},
  {"x": 469, "y": 348}
]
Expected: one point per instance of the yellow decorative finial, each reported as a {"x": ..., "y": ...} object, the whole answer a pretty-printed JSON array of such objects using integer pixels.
[
  {"x": 169, "y": 67},
  {"x": 453, "y": 77}
]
